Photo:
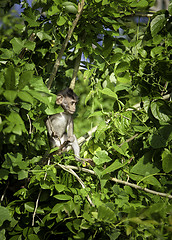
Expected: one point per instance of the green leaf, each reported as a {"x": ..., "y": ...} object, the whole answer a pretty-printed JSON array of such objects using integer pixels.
[
  {"x": 2, "y": 79},
  {"x": 4, "y": 174},
  {"x": 63, "y": 197},
  {"x": 161, "y": 111},
  {"x": 109, "y": 92},
  {"x": 157, "y": 51},
  {"x": 157, "y": 24},
  {"x": 70, "y": 8},
  {"x": 102, "y": 127},
  {"x": 170, "y": 8},
  {"x": 6, "y": 54},
  {"x": 105, "y": 2},
  {"x": 5, "y": 215},
  {"x": 166, "y": 132},
  {"x": 60, "y": 187},
  {"x": 53, "y": 10},
  {"x": 10, "y": 79},
  {"x": 30, "y": 45},
  {"x": 29, "y": 206},
  {"x": 105, "y": 214},
  {"x": 157, "y": 141},
  {"x": 116, "y": 57},
  {"x": 57, "y": 208},
  {"x": 167, "y": 161},
  {"x": 30, "y": 16},
  {"x": 2, "y": 234},
  {"x": 122, "y": 122},
  {"x": 16, "y": 124},
  {"x": 25, "y": 96},
  {"x": 108, "y": 47},
  {"x": 38, "y": 84},
  {"x": 42, "y": 36},
  {"x": 114, "y": 166},
  {"x": 139, "y": 4},
  {"x": 33, "y": 237},
  {"x": 88, "y": 97},
  {"x": 145, "y": 166},
  {"x": 101, "y": 157},
  {"x": 17, "y": 44},
  {"x": 10, "y": 95},
  {"x": 39, "y": 96},
  {"x": 161, "y": 138},
  {"x": 124, "y": 77},
  {"x": 151, "y": 180},
  {"x": 22, "y": 174},
  {"x": 122, "y": 149},
  {"x": 97, "y": 113},
  {"x": 61, "y": 21},
  {"x": 109, "y": 20},
  {"x": 15, "y": 160},
  {"x": 122, "y": 67},
  {"x": 25, "y": 78}
]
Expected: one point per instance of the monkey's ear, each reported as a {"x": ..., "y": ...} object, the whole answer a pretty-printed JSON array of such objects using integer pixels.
[{"x": 59, "y": 99}]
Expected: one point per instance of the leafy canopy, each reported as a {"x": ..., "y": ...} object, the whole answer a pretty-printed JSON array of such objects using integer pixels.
[{"x": 124, "y": 84}]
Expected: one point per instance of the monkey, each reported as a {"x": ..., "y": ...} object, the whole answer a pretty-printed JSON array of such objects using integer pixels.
[{"x": 60, "y": 126}]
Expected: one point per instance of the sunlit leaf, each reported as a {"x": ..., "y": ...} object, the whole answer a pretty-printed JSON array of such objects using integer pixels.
[
  {"x": 101, "y": 157},
  {"x": 5, "y": 215},
  {"x": 145, "y": 166},
  {"x": 157, "y": 24},
  {"x": 10, "y": 95},
  {"x": 109, "y": 93},
  {"x": 63, "y": 197},
  {"x": 61, "y": 21},
  {"x": 17, "y": 44}
]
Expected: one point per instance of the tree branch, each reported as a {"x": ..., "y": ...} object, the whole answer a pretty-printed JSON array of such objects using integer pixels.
[
  {"x": 122, "y": 182},
  {"x": 64, "y": 45}
]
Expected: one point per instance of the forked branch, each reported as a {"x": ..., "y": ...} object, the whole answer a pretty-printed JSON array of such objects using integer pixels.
[{"x": 64, "y": 45}]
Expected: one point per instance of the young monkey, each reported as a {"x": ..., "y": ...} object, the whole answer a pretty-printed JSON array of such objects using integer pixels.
[{"x": 60, "y": 123}]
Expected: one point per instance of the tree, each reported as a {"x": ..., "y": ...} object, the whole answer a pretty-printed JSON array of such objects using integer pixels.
[{"x": 122, "y": 68}]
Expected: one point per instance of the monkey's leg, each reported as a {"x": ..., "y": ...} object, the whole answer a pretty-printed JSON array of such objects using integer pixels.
[{"x": 75, "y": 146}]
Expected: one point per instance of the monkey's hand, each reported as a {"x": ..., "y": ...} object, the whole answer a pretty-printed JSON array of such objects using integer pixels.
[
  {"x": 71, "y": 139},
  {"x": 55, "y": 135},
  {"x": 87, "y": 162}
]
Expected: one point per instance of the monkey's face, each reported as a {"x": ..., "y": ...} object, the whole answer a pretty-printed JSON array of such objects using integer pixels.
[
  {"x": 72, "y": 107},
  {"x": 69, "y": 105},
  {"x": 68, "y": 102}
]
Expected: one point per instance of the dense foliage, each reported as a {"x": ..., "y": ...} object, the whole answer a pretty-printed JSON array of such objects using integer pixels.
[{"x": 124, "y": 84}]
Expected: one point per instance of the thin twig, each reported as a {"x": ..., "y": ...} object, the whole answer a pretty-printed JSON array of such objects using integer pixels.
[
  {"x": 3, "y": 195},
  {"x": 70, "y": 170},
  {"x": 64, "y": 45},
  {"x": 128, "y": 140},
  {"x": 121, "y": 182},
  {"x": 37, "y": 201},
  {"x": 141, "y": 188},
  {"x": 30, "y": 124}
]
